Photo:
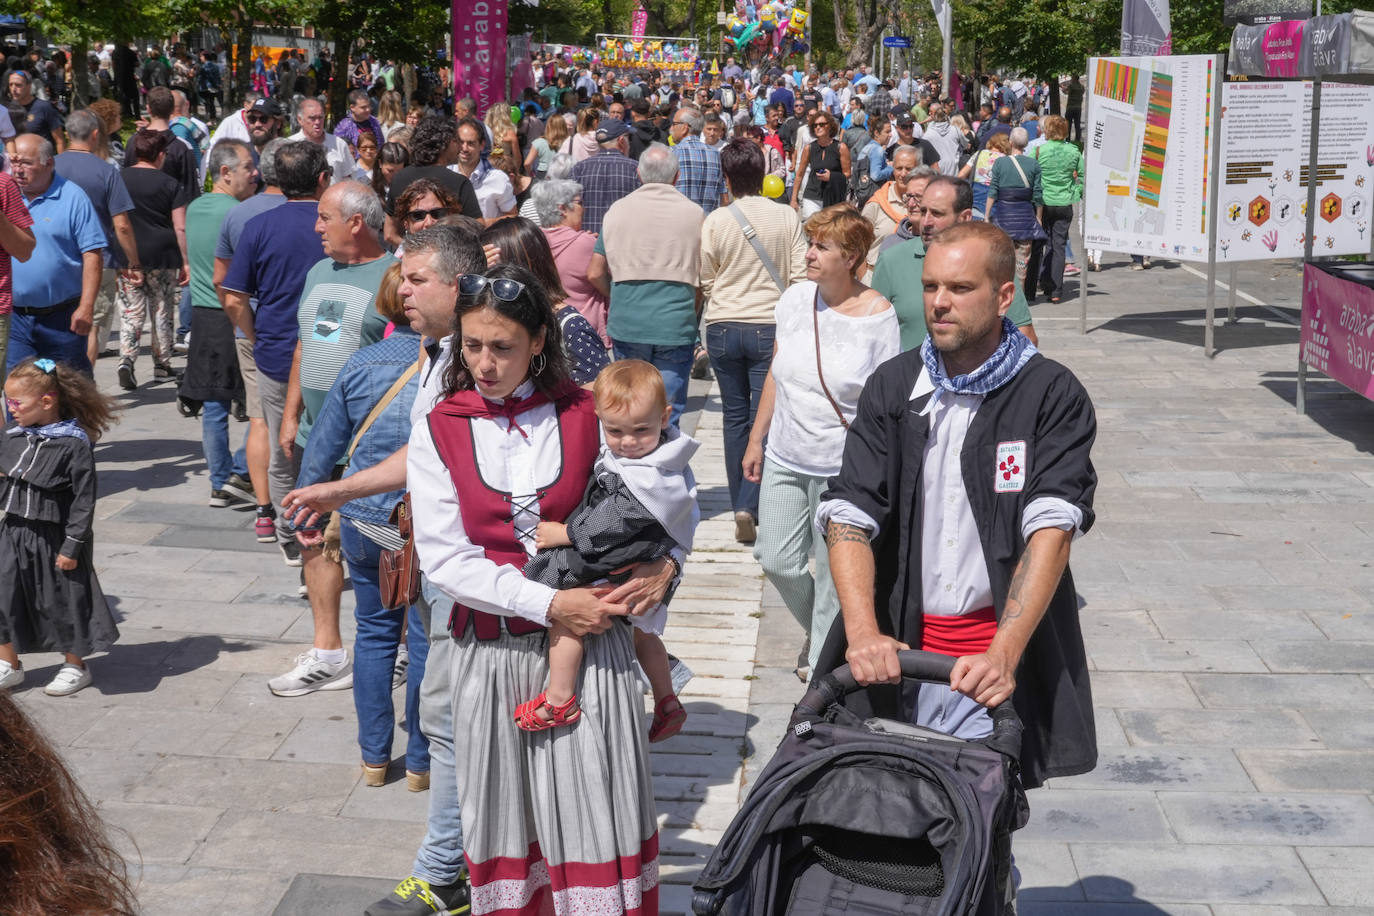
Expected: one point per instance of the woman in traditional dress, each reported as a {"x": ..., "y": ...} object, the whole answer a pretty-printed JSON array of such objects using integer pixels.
[{"x": 558, "y": 821}]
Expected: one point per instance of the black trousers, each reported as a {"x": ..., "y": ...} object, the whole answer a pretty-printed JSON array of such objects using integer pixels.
[{"x": 1045, "y": 269}]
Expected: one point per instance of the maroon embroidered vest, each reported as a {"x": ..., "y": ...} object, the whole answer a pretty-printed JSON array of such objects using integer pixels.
[{"x": 488, "y": 514}]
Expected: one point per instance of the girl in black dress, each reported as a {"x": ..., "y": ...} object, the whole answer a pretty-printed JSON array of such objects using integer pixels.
[{"x": 50, "y": 600}]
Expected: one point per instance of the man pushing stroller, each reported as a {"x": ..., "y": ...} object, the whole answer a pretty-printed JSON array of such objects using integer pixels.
[{"x": 966, "y": 477}]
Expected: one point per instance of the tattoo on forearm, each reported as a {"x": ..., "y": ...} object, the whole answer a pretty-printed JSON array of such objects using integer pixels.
[
  {"x": 1014, "y": 605},
  {"x": 838, "y": 532}
]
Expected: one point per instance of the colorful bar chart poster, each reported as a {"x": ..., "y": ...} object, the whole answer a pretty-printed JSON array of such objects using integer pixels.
[
  {"x": 1264, "y": 141},
  {"x": 1149, "y": 137}
]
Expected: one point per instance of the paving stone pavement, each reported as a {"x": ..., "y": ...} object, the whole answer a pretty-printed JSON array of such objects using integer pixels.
[{"x": 1227, "y": 600}]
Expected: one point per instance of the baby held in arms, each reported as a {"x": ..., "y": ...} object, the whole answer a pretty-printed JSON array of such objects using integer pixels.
[{"x": 640, "y": 505}]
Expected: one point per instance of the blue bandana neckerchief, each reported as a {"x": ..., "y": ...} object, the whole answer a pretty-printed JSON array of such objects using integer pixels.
[
  {"x": 62, "y": 429},
  {"x": 1008, "y": 359}
]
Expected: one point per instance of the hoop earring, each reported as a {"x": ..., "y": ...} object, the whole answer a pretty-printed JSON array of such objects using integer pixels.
[
  {"x": 537, "y": 363},
  {"x": 464, "y": 360}
]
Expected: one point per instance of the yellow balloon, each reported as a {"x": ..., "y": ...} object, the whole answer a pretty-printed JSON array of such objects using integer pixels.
[{"x": 772, "y": 186}]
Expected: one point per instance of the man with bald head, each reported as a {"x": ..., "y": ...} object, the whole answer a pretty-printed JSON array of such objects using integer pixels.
[
  {"x": 336, "y": 148},
  {"x": 55, "y": 289}
]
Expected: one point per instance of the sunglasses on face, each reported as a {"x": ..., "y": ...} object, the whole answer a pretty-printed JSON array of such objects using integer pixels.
[
  {"x": 13, "y": 404},
  {"x": 502, "y": 288},
  {"x": 258, "y": 119},
  {"x": 419, "y": 216}
]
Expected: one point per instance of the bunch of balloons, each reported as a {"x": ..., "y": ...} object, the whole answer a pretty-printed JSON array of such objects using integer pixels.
[{"x": 776, "y": 25}]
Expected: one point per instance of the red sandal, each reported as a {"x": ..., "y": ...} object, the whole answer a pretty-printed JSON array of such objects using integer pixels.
[
  {"x": 668, "y": 719},
  {"x": 527, "y": 717}
]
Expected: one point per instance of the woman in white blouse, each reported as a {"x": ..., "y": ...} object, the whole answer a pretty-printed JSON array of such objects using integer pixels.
[
  {"x": 832, "y": 332},
  {"x": 513, "y": 443}
]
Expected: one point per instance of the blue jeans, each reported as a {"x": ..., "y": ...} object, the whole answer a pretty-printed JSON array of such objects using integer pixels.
[
  {"x": 440, "y": 859},
  {"x": 184, "y": 312},
  {"x": 374, "y": 656},
  {"x": 214, "y": 439},
  {"x": 740, "y": 355},
  {"x": 49, "y": 336},
  {"x": 675, "y": 364}
]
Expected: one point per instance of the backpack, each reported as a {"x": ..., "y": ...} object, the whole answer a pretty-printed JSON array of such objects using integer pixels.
[{"x": 863, "y": 186}]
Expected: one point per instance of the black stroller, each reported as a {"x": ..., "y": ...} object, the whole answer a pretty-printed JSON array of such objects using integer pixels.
[{"x": 873, "y": 816}]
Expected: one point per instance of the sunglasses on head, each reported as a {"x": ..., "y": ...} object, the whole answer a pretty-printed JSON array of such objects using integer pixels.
[
  {"x": 502, "y": 288},
  {"x": 418, "y": 216}
]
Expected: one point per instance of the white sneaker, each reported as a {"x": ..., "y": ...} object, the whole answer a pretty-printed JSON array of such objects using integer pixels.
[
  {"x": 69, "y": 679},
  {"x": 311, "y": 674},
  {"x": 10, "y": 676},
  {"x": 398, "y": 671}
]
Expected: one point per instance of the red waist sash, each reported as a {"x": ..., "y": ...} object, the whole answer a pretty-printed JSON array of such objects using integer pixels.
[{"x": 962, "y": 634}]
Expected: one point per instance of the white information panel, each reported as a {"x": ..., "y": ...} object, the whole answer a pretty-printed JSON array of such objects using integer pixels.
[
  {"x": 1149, "y": 142},
  {"x": 1265, "y": 130}
]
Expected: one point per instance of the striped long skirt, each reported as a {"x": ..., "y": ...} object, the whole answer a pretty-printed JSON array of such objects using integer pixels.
[{"x": 561, "y": 821}]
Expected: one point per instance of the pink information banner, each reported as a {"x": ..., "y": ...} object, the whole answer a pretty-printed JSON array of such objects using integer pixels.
[
  {"x": 1338, "y": 329},
  {"x": 479, "y": 51},
  {"x": 1281, "y": 45}
]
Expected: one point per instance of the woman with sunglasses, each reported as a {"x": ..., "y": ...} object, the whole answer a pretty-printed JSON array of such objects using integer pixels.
[
  {"x": 423, "y": 204},
  {"x": 512, "y": 444}
]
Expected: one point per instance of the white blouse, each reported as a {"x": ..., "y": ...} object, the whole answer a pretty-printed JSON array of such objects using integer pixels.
[
  {"x": 507, "y": 461},
  {"x": 805, "y": 436}
]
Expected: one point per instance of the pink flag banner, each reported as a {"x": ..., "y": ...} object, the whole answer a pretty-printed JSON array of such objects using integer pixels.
[
  {"x": 479, "y": 51},
  {"x": 639, "y": 21},
  {"x": 1281, "y": 45},
  {"x": 1338, "y": 329}
]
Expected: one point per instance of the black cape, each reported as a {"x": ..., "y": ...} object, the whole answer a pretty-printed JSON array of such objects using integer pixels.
[{"x": 1045, "y": 407}]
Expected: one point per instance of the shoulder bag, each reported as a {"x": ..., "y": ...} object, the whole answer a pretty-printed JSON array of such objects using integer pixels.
[
  {"x": 816, "y": 327},
  {"x": 398, "y": 572},
  {"x": 752, "y": 236}
]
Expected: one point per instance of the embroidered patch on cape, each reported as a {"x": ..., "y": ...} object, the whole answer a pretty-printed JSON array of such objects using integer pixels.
[{"x": 1010, "y": 476}]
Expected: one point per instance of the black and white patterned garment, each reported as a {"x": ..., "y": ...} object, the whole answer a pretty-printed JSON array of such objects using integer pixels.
[{"x": 583, "y": 345}]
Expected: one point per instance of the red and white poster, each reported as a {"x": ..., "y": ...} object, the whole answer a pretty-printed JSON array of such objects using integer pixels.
[
  {"x": 639, "y": 21},
  {"x": 1338, "y": 329},
  {"x": 479, "y": 51}
]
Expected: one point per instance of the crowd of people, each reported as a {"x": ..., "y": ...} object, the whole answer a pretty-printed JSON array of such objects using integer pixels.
[{"x": 464, "y": 343}]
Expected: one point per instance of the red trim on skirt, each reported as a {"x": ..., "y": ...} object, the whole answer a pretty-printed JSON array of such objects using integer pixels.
[{"x": 570, "y": 880}]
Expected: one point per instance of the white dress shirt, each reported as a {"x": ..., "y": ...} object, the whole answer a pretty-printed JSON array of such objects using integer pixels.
[{"x": 954, "y": 578}]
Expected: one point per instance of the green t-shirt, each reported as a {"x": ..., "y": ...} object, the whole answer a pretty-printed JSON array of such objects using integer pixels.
[
  {"x": 1059, "y": 163},
  {"x": 658, "y": 312},
  {"x": 898, "y": 277},
  {"x": 337, "y": 317},
  {"x": 203, "y": 218}
]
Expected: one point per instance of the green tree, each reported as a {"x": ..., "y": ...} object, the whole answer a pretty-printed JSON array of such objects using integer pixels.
[
  {"x": 1036, "y": 38},
  {"x": 403, "y": 31}
]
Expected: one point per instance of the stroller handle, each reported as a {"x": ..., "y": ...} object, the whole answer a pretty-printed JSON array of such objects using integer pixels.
[{"x": 929, "y": 667}]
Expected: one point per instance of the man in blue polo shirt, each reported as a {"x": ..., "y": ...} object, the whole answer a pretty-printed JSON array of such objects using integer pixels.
[
  {"x": 55, "y": 289},
  {"x": 273, "y": 256}
]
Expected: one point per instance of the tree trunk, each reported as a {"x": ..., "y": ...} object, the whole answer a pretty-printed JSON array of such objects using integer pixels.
[
  {"x": 408, "y": 82},
  {"x": 81, "y": 74},
  {"x": 343, "y": 72},
  {"x": 870, "y": 20},
  {"x": 243, "y": 75}
]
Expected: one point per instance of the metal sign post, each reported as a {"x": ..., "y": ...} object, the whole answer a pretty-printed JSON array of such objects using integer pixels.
[{"x": 1213, "y": 201}]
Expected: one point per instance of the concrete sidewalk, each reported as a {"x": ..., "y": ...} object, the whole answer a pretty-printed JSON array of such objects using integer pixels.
[{"x": 1227, "y": 602}]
